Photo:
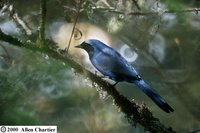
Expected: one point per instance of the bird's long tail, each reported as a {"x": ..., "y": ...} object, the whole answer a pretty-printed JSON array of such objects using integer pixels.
[{"x": 152, "y": 94}]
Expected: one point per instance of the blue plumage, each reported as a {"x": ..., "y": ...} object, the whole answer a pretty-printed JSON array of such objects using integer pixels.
[{"x": 111, "y": 64}]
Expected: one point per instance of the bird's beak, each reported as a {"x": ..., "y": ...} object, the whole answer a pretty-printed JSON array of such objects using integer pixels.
[{"x": 79, "y": 46}]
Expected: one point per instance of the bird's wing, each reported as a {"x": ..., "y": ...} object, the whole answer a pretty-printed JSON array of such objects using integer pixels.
[{"x": 112, "y": 64}]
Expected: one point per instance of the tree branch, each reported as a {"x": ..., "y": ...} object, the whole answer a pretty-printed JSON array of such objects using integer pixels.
[
  {"x": 196, "y": 10},
  {"x": 10, "y": 39}
]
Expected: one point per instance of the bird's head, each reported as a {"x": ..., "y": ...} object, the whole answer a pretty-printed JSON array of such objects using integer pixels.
[
  {"x": 89, "y": 46},
  {"x": 86, "y": 45},
  {"x": 92, "y": 45}
]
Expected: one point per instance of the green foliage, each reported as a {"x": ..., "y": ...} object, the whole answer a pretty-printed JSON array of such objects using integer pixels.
[{"x": 176, "y": 4}]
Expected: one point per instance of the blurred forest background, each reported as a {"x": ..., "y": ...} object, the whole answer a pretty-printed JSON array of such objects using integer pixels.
[{"x": 160, "y": 38}]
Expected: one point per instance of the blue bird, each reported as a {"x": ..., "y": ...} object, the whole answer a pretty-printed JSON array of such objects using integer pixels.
[{"x": 112, "y": 65}]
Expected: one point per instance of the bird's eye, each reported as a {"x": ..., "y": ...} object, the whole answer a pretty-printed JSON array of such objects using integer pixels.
[{"x": 138, "y": 77}]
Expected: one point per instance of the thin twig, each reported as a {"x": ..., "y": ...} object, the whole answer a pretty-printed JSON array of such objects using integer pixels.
[
  {"x": 196, "y": 10},
  {"x": 74, "y": 26},
  {"x": 42, "y": 22},
  {"x": 136, "y": 4}
]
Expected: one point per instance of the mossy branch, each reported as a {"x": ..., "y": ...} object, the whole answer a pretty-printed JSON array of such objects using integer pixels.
[
  {"x": 9, "y": 39},
  {"x": 134, "y": 112}
]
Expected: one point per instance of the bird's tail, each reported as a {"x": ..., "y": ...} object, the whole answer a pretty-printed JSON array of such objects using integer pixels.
[{"x": 152, "y": 94}]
